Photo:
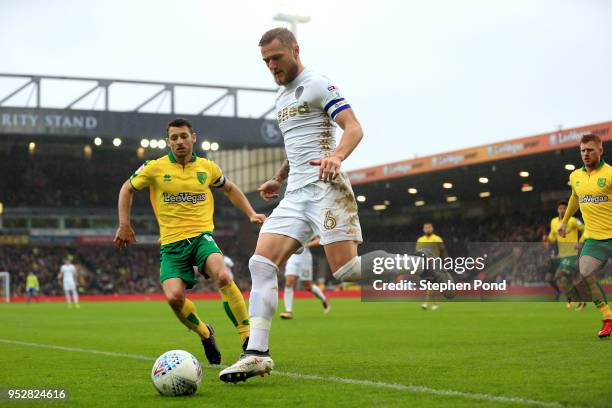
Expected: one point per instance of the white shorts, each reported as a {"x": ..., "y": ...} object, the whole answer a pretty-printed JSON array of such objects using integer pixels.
[
  {"x": 68, "y": 286},
  {"x": 328, "y": 210},
  {"x": 302, "y": 271}
]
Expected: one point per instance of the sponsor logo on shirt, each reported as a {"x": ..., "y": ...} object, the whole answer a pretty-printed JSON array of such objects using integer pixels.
[
  {"x": 288, "y": 112},
  {"x": 589, "y": 199},
  {"x": 183, "y": 198}
]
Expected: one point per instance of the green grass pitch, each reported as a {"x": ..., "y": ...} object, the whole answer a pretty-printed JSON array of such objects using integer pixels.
[{"x": 361, "y": 354}]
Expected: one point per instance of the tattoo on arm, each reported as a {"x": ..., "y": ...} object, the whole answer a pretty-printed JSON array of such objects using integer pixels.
[{"x": 283, "y": 172}]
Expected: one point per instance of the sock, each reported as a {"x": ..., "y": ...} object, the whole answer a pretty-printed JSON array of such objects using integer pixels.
[
  {"x": 75, "y": 296},
  {"x": 68, "y": 297},
  {"x": 564, "y": 284},
  {"x": 263, "y": 301},
  {"x": 350, "y": 271},
  {"x": 554, "y": 286},
  {"x": 598, "y": 296},
  {"x": 288, "y": 300},
  {"x": 316, "y": 290},
  {"x": 189, "y": 317},
  {"x": 236, "y": 310}
]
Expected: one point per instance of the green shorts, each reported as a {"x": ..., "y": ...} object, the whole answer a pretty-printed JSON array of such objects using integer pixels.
[
  {"x": 599, "y": 249},
  {"x": 567, "y": 265},
  {"x": 178, "y": 258}
]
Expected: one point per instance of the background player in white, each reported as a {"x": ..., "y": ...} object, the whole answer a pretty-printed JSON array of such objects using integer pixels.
[
  {"x": 229, "y": 264},
  {"x": 299, "y": 266},
  {"x": 318, "y": 199},
  {"x": 68, "y": 277}
]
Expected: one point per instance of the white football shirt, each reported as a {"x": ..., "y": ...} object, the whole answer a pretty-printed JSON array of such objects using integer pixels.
[
  {"x": 68, "y": 274},
  {"x": 305, "y": 110}
]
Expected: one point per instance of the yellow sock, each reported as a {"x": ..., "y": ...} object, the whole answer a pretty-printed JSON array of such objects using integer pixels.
[
  {"x": 236, "y": 309},
  {"x": 598, "y": 296},
  {"x": 189, "y": 317},
  {"x": 605, "y": 311}
]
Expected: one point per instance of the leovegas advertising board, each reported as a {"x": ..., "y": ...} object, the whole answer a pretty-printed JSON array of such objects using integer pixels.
[{"x": 562, "y": 139}]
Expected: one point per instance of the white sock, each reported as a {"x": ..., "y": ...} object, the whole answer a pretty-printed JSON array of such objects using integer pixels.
[
  {"x": 263, "y": 301},
  {"x": 75, "y": 296},
  {"x": 350, "y": 271},
  {"x": 68, "y": 297},
  {"x": 288, "y": 300},
  {"x": 316, "y": 290}
]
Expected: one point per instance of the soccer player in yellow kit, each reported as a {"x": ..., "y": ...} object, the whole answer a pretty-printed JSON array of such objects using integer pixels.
[
  {"x": 567, "y": 249},
  {"x": 180, "y": 191},
  {"x": 592, "y": 193},
  {"x": 32, "y": 287},
  {"x": 434, "y": 245}
]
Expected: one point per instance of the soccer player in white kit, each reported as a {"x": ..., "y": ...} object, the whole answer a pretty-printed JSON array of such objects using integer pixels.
[
  {"x": 299, "y": 266},
  {"x": 68, "y": 276},
  {"x": 229, "y": 264},
  {"x": 318, "y": 200}
]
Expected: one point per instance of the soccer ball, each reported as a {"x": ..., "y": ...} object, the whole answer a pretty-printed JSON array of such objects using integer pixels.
[{"x": 176, "y": 372}]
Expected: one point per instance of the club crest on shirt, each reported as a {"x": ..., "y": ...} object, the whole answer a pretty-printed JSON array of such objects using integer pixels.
[
  {"x": 201, "y": 177},
  {"x": 299, "y": 91},
  {"x": 601, "y": 182}
]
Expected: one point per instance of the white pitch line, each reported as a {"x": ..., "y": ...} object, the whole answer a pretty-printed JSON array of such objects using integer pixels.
[{"x": 376, "y": 384}]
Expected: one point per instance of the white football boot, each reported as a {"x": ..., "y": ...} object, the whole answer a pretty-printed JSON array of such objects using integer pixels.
[{"x": 249, "y": 365}]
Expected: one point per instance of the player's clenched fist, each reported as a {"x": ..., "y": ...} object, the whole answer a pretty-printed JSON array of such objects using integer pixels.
[
  {"x": 269, "y": 189},
  {"x": 329, "y": 167},
  {"x": 562, "y": 230},
  {"x": 124, "y": 236},
  {"x": 257, "y": 219}
]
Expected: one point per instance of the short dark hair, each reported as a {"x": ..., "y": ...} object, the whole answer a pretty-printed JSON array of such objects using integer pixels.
[
  {"x": 561, "y": 202},
  {"x": 179, "y": 122},
  {"x": 284, "y": 35},
  {"x": 428, "y": 223},
  {"x": 590, "y": 137}
]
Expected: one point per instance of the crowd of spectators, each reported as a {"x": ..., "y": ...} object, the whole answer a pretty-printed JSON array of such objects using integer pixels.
[
  {"x": 77, "y": 181},
  {"x": 57, "y": 181},
  {"x": 105, "y": 269}
]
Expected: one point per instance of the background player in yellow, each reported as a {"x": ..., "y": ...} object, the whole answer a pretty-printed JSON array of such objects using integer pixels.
[
  {"x": 592, "y": 193},
  {"x": 32, "y": 287},
  {"x": 179, "y": 185},
  {"x": 567, "y": 249},
  {"x": 433, "y": 245}
]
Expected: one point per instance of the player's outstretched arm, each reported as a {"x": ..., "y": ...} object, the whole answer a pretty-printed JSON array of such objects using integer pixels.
[
  {"x": 329, "y": 167},
  {"x": 125, "y": 234},
  {"x": 239, "y": 200}
]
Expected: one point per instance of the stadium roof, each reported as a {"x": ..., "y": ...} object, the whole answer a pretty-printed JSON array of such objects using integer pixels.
[
  {"x": 528, "y": 171},
  {"x": 525, "y": 146},
  {"x": 103, "y": 107}
]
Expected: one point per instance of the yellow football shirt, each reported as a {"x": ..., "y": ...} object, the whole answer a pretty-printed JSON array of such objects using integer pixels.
[
  {"x": 32, "y": 282},
  {"x": 434, "y": 243},
  {"x": 567, "y": 245},
  {"x": 593, "y": 194},
  {"x": 180, "y": 196}
]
